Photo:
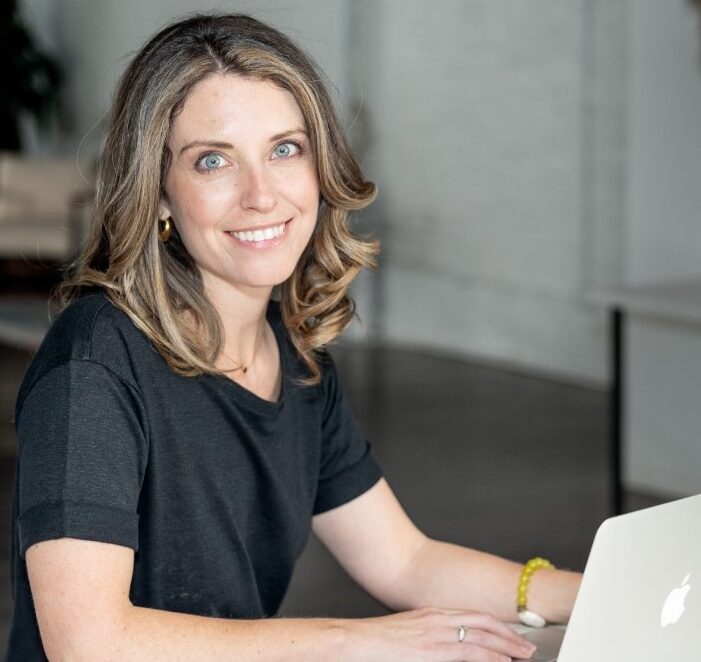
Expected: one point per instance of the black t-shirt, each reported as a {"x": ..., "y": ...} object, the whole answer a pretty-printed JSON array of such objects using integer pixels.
[{"x": 213, "y": 487}]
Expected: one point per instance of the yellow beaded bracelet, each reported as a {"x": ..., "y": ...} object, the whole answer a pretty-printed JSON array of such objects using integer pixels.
[{"x": 525, "y": 615}]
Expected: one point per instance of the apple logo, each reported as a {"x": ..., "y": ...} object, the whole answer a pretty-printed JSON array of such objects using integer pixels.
[{"x": 674, "y": 604}]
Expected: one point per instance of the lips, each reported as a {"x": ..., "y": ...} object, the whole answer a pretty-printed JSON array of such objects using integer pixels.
[
  {"x": 265, "y": 237},
  {"x": 260, "y": 235}
]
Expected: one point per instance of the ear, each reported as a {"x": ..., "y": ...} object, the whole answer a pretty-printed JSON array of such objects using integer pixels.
[{"x": 164, "y": 210}]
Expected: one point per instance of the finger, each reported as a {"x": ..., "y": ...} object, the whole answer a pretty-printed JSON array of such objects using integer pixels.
[
  {"x": 487, "y": 623},
  {"x": 478, "y": 619},
  {"x": 471, "y": 653},
  {"x": 497, "y": 644}
]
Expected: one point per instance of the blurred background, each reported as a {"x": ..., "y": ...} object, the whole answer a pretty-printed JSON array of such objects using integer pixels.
[{"x": 538, "y": 301}]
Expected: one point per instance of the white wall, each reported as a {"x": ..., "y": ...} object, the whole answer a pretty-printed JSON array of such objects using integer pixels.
[
  {"x": 496, "y": 141},
  {"x": 663, "y": 231},
  {"x": 663, "y": 243}
]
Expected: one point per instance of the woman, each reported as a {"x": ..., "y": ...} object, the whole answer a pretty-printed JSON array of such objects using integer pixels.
[{"x": 180, "y": 432}]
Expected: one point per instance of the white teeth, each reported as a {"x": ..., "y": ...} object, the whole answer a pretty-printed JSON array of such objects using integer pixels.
[{"x": 260, "y": 235}]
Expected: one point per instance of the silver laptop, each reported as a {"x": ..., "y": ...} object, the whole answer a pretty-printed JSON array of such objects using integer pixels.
[{"x": 640, "y": 598}]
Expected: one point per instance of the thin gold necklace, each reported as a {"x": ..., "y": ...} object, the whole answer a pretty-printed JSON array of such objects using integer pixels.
[{"x": 241, "y": 366}]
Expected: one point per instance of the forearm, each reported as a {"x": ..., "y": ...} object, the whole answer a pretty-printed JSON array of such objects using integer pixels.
[
  {"x": 447, "y": 575},
  {"x": 153, "y": 635}
]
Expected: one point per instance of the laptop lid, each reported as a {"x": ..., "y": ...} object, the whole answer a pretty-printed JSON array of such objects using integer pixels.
[{"x": 640, "y": 598}]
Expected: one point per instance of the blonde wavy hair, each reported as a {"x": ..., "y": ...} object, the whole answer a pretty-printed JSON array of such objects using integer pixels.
[{"x": 158, "y": 284}]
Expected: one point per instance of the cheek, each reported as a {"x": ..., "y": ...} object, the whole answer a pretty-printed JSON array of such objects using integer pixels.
[
  {"x": 303, "y": 190},
  {"x": 200, "y": 205}
]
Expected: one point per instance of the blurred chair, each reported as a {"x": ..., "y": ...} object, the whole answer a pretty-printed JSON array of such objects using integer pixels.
[{"x": 44, "y": 207}]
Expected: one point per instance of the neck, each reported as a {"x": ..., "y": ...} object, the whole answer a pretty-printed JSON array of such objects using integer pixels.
[{"x": 243, "y": 317}]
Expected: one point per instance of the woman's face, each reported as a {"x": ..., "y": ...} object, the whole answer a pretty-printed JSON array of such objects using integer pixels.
[{"x": 242, "y": 187}]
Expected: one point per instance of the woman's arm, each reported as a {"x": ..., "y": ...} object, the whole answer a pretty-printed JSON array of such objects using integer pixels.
[
  {"x": 80, "y": 590},
  {"x": 81, "y": 596},
  {"x": 379, "y": 546},
  {"x": 454, "y": 576}
]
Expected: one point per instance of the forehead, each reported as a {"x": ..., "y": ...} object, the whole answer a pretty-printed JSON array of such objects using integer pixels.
[{"x": 225, "y": 106}]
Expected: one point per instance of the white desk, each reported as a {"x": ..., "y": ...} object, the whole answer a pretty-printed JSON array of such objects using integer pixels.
[
  {"x": 678, "y": 301},
  {"x": 665, "y": 318}
]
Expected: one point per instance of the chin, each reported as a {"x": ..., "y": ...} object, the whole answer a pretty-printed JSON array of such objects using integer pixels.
[{"x": 267, "y": 279}]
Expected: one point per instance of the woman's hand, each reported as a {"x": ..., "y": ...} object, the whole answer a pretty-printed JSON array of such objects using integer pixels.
[{"x": 431, "y": 635}]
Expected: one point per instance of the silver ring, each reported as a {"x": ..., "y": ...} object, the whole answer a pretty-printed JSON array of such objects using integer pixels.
[{"x": 462, "y": 633}]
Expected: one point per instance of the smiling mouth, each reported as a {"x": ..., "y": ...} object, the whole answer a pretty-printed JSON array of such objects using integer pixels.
[{"x": 260, "y": 235}]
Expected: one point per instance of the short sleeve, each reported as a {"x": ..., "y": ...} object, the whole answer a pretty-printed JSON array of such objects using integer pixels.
[
  {"x": 82, "y": 457},
  {"x": 348, "y": 467}
]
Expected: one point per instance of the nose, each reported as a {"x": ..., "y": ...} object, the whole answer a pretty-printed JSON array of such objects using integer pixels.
[{"x": 258, "y": 191}]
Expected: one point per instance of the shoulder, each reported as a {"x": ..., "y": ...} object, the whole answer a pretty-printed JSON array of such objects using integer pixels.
[
  {"x": 91, "y": 329},
  {"x": 81, "y": 324}
]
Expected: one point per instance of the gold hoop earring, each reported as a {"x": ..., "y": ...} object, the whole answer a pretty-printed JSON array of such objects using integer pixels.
[{"x": 164, "y": 229}]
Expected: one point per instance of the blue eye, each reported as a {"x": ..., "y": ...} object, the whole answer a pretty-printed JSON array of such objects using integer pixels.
[
  {"x": 209, "y": 162},
  {"x": 290, "y": 148}
]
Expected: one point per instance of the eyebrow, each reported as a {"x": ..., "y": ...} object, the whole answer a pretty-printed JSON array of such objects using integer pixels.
[{"x": 224, "y": 145}]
